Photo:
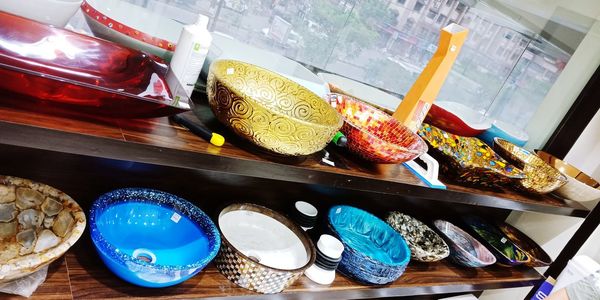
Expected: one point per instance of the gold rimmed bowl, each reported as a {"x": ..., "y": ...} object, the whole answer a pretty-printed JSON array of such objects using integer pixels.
[
  {"x": 580, "y": 186},
  {"x": 270, "y": 110},
  {"x": 541, "y": 177}
]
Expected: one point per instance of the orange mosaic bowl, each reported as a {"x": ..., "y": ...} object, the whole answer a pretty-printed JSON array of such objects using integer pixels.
[{"x": 374, "y": 135}]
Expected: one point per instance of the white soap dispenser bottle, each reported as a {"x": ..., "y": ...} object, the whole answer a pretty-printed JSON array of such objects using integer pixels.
[{"x": 190, "y": 53}]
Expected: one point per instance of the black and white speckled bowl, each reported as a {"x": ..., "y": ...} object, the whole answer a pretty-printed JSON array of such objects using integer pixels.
[{"x": 425, "y": 245}]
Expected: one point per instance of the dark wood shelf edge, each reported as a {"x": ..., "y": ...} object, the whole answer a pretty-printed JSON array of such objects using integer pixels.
[{"x": 87, "y": 145}]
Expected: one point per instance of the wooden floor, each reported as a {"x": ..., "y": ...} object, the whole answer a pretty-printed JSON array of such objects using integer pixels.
[{"x": 80, "y": 274}]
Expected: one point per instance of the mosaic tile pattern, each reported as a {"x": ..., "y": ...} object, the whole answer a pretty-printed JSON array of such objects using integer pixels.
[
  {"x": 425, "y": 245},
  {"x": 541, "y": 177},
  {"x": 251, "y": 275},
  {"x": 38, "y": 224},
  {"x": 374, "y": 135},
  {"x": 468, "y": 159}
]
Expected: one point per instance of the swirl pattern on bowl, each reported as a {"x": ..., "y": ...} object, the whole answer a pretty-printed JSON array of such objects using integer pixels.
[
  {"x": 538, "y": 257},
  {"x": 270, "y": 110}
]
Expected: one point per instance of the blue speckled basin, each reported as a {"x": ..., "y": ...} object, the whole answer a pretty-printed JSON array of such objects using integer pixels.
[
  {"x": 151, "y": 238},
  {"x": 374, "y": 252}
]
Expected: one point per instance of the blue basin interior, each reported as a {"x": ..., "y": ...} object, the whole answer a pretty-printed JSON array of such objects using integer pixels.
[
  {"x": 137, "y": 225},
  {"x": 151, "y": 238},
  {"x": 369, "y": 235}
]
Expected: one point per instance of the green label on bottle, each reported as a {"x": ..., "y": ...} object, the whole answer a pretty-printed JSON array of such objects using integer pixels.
[{"x": 197, "y": 47}]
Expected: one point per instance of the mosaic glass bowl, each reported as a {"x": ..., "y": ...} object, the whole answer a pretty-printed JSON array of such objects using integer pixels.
[
  {"x": 270, "y": 110},
  {"x": 506, "y": 252},
  {"x": 541, "y": 177},
  {"x": 38, "y": 224},
  {"x": 262, "y": 250},
  {"x": 374, "y": 135},
  {"x": 374, "y": 252},
  {"x": 425, "y": 245},
  {"x": 457, "y": 118},
  {"x": 465, "y": 250},
  {"x": 579, "y": 186},
  {"x": 537, "y": 256},
  {"x": 151, "y": 238},
  {"x": 469, "y": 160}
]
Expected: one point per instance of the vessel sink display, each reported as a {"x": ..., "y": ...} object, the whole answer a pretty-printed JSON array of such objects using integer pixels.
[
  {"x": 457, "y": 118},
  {"x": 537, "y": 256},
  {"x": 60, "y": 69},
  {"x": 127, "y": 24},
  {"x": 374, "y": 135},
  {"x": 541, "y": 177},
  {"x": 425, "y": 245},
  {"x": 38, "y": 224},
  {"x": 465, "y": 250},
  {"x": 374, "y": 252},
  {"x": 269, "y": 109},
  {"x": 151, "y": 238},
  {"x": 468, "y": 160},
  {"x": 506, "y": 252},
  {"x": 262, "y": 250},
  {"x": 579, "y": 187}
]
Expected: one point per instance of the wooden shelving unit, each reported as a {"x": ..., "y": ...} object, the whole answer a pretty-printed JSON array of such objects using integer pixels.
[{"x": 72, "y": 153}]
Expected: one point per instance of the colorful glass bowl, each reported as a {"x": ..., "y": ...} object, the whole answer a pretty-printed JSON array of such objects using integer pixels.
[
  {"x": 579, "y": 187},
  {"x": 457, "y": 118},
  {"x": 541, "y": 177},
  {"x": 151, "y": 238},
  {"x": 506, "y": 252},
  {"x": 270, "y": 110},
  {"x": 469, "y": 160},
  {"x": 374, "y": 135},
  {"x": 425, "y": 245},
  {"x": 465, "y": 250},
  {"x": 504, "y": 131},
  {"x": 374, "y": 252},
  {"x": 38, "y": 224},
  {"x": 62, "y": 69},
  {"x": 262, "y": 250},
  {"x": 537, "y": 256}
]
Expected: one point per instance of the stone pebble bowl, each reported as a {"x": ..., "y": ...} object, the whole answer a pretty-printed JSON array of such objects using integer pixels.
[
  {"x": 425, "y": 245},
  {"x": 38, "y": 224}
]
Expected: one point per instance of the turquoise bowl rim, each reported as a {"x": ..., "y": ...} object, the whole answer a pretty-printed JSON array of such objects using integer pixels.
[{"x": 379, "y": 222}]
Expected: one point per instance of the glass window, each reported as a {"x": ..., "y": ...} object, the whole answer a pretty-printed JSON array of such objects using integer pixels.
[
  {"x": 508, "y": 69},
  {"x": 418, "y": 6}
]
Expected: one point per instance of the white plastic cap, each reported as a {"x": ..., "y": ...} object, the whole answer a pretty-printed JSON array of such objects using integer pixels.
[{"x": 202, "y": 21}]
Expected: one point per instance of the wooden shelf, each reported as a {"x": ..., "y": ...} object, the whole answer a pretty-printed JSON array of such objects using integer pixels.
[
  {"x": 158, "y": 142},
  {"x": 82, "y": 275}
]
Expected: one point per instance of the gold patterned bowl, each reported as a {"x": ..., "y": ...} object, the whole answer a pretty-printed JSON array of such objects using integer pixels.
[
  {"x": 580, "y": 186},
  {"x": 270, "y": 110},
  {"x": 38, "y": 224},
  {"x": 541, "y": 177}
]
